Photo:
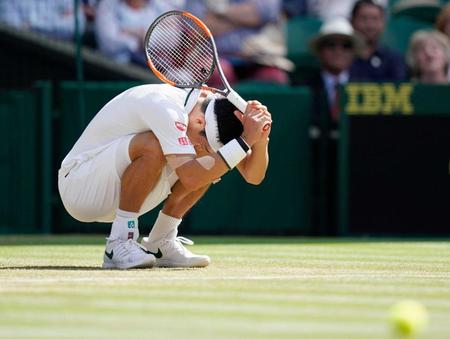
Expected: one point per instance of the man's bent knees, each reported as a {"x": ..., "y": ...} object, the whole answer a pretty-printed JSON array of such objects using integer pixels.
[
  {"x": 141, "y": 176},
  {"x": 146, "y": 145}
]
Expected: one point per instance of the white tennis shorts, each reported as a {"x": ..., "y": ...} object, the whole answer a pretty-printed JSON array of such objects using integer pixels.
[{"x": 90, "y": 190}]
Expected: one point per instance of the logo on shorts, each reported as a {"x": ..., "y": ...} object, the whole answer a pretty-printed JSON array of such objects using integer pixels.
[
  {"x": 184, "y": 141},
  {"x": 131, "y": 224},
  {"x": 180, "y": 126}
]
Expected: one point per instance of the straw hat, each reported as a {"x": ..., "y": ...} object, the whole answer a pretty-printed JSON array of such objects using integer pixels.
[{"x": 336, "y": 27}]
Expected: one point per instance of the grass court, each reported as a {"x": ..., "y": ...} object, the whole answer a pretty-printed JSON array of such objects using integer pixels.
[{"x": 53, "y": 287}]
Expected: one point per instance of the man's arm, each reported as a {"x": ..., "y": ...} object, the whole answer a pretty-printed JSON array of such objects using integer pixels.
[
  {"x": 201, "y": 171},
  {"x": 196, "y": 173},
  {"x": 253, "y": 168}
]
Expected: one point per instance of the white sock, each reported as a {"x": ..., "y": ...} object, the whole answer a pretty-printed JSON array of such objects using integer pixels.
[
  {"x": 165, "y": 227},
  {"x": 125, "y": 226}
]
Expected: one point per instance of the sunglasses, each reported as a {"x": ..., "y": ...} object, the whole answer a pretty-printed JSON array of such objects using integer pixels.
[{"x": 333, "y": 44}]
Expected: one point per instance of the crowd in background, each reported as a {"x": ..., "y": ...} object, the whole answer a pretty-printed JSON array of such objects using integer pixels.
[{"x": 250, "y": 36}]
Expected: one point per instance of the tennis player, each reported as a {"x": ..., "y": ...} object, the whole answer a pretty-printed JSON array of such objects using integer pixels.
[{"x": 153, "y": 143}]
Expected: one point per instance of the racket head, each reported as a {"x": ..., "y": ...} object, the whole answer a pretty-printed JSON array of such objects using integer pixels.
[{"x": 180, "y": 50}]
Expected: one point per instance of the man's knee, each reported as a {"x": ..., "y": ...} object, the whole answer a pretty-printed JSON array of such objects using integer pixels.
[{"x": 147, "y": 147}]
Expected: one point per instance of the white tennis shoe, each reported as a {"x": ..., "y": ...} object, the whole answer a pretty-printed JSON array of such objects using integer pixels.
[
  {"x": 124, "y": 254},
  {"x": 170, "y": 252}
]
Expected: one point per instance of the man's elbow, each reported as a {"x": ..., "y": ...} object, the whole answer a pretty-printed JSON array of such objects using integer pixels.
[{"x": 254, "y": 180}]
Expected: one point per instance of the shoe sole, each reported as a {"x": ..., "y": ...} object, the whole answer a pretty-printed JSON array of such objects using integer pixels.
[
  {"x": 171, "y": 264},
  {"x": 147, "y": 264}
]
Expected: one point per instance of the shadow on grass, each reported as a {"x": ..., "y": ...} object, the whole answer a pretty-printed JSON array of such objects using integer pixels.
[
  {"x": 91, "y": 268},
  {"x": 53, "y": 268},
  {"x": 97, "y": 240}
]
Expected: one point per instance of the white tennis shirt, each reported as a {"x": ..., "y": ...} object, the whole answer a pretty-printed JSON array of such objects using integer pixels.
[{"x": 157, "y": 108}]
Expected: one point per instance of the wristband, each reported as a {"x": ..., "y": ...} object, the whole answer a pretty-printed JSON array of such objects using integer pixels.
[
  {"x": 243, "y": 144},
  {"x": 233, "y": 153}
]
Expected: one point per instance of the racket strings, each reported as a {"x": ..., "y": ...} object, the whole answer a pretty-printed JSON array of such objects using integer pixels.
[
  {"x": 183, "y": 63},
  {"x": 181, "y": 51},
  {"x": 193, "y": 58},
  {"x": 200, "y": 41},
  {"x": 165, "y": 64},
  {"x": 174, "y": 66}
]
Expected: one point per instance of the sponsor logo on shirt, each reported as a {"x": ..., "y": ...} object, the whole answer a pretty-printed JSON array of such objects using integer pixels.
[
  {"x": 184, "y": 141},
  {"x": 180, "y": 126}
]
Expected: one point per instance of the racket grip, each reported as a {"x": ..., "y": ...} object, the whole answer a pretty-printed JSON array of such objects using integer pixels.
[
  {"x": 241, "y": 104},
  {"x": 237, "y": 101}
]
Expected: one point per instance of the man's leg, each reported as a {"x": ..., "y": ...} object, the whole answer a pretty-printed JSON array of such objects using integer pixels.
[
  {"x": 162, "y": 239},
  {"x": 138, "y": 180},
  {"x": 180, "y": 201}
]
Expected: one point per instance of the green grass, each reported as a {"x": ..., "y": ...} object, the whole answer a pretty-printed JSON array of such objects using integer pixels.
[{"x": 52, "y": 287}]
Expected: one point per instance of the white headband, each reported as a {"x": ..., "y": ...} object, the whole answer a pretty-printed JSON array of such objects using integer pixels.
[{"x": 212, "y": 128}]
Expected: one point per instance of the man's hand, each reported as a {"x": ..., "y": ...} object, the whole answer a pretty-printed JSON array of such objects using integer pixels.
[{"x": 254, "y": 120}]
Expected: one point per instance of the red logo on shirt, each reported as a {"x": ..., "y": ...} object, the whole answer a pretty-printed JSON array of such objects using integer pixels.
[
  {"x": 184, "y": 141},
  {"x": 179, "y": 125}
]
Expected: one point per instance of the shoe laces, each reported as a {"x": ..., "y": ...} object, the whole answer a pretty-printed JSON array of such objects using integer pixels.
[
  {"x": 179, "y": 241},
  {"x": 130, "y": 246},
  {"x": 184, "y": 240}
]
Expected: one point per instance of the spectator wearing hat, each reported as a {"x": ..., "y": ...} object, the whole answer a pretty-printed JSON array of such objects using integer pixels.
[
  {"x": 428, "y": 57},
  {"x": 376, "y": 62},
  {"x": 335, "y": 46}
]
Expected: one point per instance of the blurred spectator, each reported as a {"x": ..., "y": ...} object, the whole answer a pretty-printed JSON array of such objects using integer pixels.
[
  {"x": 443, "y": 20},
  {"x": 52, "y": 18},
  {"x": 443, "y": 23},
  {"x": 377, "y": 62},
  {"x": 90, "y": 11},
  {"x": 292, "y": 8},
  {"x": 121, "y": 26},
  {"x": 419, "y": 10},
  {"x": 249, "y": 39},
  {"x": 329, "y": 9},
  {"x": 429, "y": 57},
  {"x": 335, "y": 45}
]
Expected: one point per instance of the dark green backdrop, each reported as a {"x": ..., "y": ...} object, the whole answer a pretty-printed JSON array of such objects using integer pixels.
[{"x": 31, "y": 154}]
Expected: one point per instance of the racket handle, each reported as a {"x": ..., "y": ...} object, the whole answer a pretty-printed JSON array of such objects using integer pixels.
[
  {"x": 237, "y": 101},
  {"x": 241, "y": 104}
]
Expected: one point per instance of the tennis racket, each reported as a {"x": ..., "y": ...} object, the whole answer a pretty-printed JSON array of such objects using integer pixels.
[{"x": 181, "y": 51}]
